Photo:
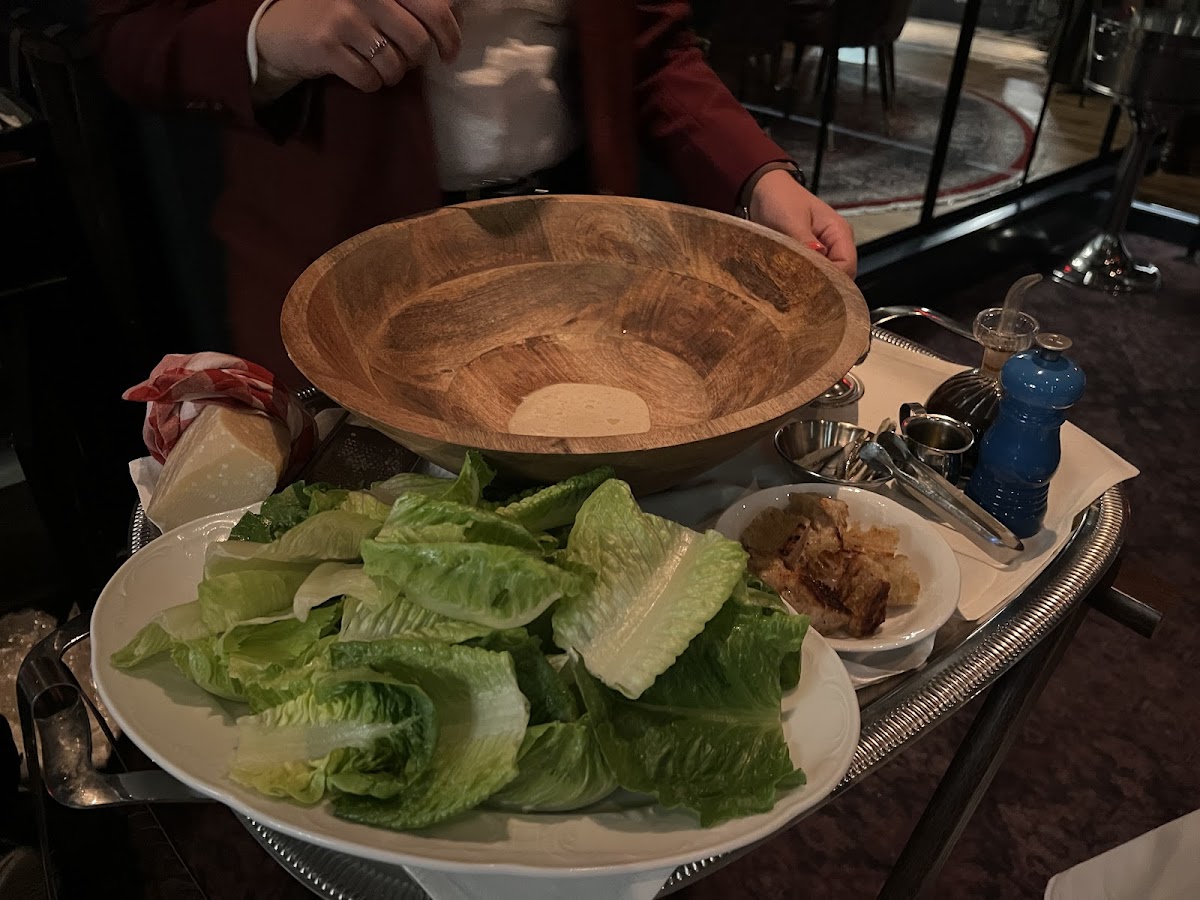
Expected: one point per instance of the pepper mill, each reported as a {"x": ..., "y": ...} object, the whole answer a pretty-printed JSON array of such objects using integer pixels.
[
  {"x": 973, "y": 397},
  {"x": 1022, "y": 449}
]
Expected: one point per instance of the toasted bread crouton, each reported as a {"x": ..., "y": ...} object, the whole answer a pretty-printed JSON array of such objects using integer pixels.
[
  {"x": 874, "y": 540},
  {"x": 844, "y": 576},
  {"x": 906, "y": 586},
  {"x": 819, "y": 512},
  {"x": 865, "y": 593},
  {"x": 825, "y": 610},
  {"x": 775, "y": 574},
  {"x": 770, "y": 530}
]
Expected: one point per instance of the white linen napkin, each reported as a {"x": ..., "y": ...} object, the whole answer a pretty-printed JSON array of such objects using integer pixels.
[
  {"x": 1163, "y": 864},
  {"x": 451, "y": 886},
  {"x": 869, "y": 668}
]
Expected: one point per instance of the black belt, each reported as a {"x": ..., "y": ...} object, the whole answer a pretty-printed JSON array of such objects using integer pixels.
[{"x": 568, "y": 177}]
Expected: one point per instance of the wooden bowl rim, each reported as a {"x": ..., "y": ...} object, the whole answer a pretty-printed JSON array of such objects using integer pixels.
[{"x": 304, "y": 354}]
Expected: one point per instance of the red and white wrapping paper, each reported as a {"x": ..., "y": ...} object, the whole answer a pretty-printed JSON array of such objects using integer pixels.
[{"x": 183, "y": 384}]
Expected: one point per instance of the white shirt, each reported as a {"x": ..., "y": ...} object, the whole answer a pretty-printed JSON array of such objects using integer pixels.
[{"x": 499, "y": 111}]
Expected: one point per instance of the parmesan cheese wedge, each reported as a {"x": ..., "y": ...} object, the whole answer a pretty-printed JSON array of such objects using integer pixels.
[{"x": 225, "y": 459}]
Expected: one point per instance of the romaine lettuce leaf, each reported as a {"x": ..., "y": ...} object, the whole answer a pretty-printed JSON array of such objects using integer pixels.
[
  {"x": 754, "y": 592},
  {"x": 557, "y": 505},
  {"x": 358, "y": 732},
  {"x": 387, "y": 492},
  {"x": 278, "y": 683},
  {"x": 657, "y": 584},
  {"x": 707, "y": 735},
  {"x": 331, "y": 535},
  {"x": 201, "y": 661},
  {"x": 551, "y": 698},
  {"x": 225, "y": 600},
  {"x": 392, "y": 616},
  {"x": 500, "y": 587},
  {"x": 329, "y": 580},
  {"x": 473, "y": 477},
  {"x": 230, "y": 663},
  {"x": 285, "y": 510},
  {"x": 418, "y": 519},
  {"x": 177, "y": 623},
  {"x": 467, "y": 488},
  {"x": 560, "y": 768},
  {"x": 481, "y": 718},
  {"x": 375, "y": 609},
  {"x": 259, "y": 651},
  {"x": 364, "y": 504}
]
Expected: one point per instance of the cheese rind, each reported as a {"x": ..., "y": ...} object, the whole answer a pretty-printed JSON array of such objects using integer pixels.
[{"x": 225, "y": 459}]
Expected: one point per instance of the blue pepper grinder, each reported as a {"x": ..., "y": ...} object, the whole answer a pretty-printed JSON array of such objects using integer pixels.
[{"x": 1021, "y": 450}]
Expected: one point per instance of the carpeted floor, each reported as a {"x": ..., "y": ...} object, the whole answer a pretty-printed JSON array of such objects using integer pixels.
[
  {"x": 1110, "y": 750},
  {"x": 879, "y": 160}
]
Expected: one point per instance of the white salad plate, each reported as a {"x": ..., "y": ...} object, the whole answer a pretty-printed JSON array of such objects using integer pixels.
[
  {"x": 931, "y": 557},
  {"x": 191, "y": 735}
]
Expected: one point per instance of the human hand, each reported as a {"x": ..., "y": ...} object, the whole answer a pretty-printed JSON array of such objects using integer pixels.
[
  {"x": 780, "y": 202},
  {"x": 367, "y": 43}
]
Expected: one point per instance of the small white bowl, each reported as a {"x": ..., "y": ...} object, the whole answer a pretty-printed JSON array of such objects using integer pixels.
[{"x": 930, "y": 555}]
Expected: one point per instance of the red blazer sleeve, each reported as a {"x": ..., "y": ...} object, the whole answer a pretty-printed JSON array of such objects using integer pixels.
[
  {"x": 180, "y": 54},
  {"x": 686, "y": 117}
]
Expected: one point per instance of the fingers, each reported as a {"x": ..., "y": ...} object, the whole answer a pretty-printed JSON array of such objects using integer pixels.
[
  {"x": 362, "y": 37},
  {"x": 441, "y": 21},
  {"x": 417, "y": 26},
  {"x": 389, "y": 64},
  {"x": 349, "y": 66},
  {"x": 838, "y": 237}
]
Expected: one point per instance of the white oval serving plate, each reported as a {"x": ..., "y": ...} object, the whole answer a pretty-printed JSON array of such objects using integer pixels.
[{"x": 191, "y": 735}]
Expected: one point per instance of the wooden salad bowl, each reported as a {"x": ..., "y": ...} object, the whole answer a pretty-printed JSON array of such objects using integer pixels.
[{"x": 438, "y": 328}]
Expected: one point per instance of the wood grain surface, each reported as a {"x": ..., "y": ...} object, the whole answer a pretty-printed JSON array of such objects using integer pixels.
[{"x": 436, "y": 327}]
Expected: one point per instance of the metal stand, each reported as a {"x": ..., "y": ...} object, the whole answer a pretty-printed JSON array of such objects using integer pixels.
[
  {"x": 1149, "y": 61},
  {"x": 975, "y": 764},
  {"x": 992, "y": 734},
  {"x": 1104, "y": 262}
]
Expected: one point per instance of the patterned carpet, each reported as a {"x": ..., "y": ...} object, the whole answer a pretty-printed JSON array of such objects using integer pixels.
[
  {"x": 1110, "y": 751},
  {"x": 880, "y": 161}
]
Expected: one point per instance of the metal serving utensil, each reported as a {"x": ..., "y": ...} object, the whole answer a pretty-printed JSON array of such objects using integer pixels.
[
  {"x": 54, "y": 720},
  {"x": 889, "y": 454}
]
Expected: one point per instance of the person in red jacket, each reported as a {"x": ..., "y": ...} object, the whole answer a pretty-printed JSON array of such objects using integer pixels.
[{"x": 343, "y": 114}]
